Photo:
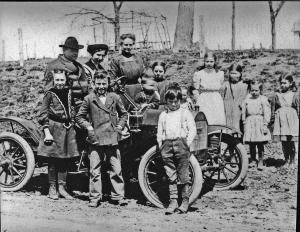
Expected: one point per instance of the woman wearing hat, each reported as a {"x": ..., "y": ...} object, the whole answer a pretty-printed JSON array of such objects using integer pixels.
[
  {"x": 98, "y": 53},
  {"x": 66, "y": 62},
  {"x": 127, "y": 63}
]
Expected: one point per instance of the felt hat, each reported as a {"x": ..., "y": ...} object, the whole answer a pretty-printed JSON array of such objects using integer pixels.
[
  {"x": 71, "y": 42},
  {"x": 93, "y": 48}
]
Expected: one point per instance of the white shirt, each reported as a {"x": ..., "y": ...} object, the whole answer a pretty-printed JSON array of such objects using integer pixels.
[
  {"x": 102, "y": 99},
  {"x": 176, "y": 124}
]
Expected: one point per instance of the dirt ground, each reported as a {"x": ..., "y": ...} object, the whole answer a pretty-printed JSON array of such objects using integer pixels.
[{"x": 266, "y": 201}]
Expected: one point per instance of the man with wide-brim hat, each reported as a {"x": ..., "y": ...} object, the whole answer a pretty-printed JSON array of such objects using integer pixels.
[
  {"x": 98, "y": 53},
  {"x": 74, "y": 71}
]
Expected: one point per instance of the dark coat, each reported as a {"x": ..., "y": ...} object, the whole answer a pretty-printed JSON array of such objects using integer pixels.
[
  {"x": 64, "y": 145},
  {"x": 79, "y": 87},
  {"x": 90, "y": 68},
  {"x": 132, "y": 68},
  {"x": 103, "y": 118}
]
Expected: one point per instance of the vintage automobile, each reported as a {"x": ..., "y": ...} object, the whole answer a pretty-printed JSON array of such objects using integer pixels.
[{"x": 218, "y": 160}]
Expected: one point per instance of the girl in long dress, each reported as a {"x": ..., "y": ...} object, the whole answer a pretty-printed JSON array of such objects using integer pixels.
[
  {"x": 235, "y": 92},
  {"x": 208, "y": 83},
  {"x": 256, "y": 115},
  {"x": 286, "y": 125}
]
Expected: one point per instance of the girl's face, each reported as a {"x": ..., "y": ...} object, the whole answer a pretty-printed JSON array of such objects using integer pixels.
[
  {"x": 159, "y": 72},
  {"x": 59, "y": 80},
  {"x": 209, "y": 62},
  {"x": 99, "y": 56},
  {"x": 234, "y": 76},
  {"x": 285, "y": 85},
  {"x": 173, "y": 104},
  {"x": 255, "y": 91},
  {"x": 127, "y": 45}
]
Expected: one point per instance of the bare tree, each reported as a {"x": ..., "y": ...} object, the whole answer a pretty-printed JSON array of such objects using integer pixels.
[
  {"x": 99, "y": 16},
  {"x": 233, "y": 27},
  {"x": 273, "y": 15},
  {"x": 183, "y": 39}
]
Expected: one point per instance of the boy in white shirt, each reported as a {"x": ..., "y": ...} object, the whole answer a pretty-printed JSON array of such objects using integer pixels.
[{"x": 175, "y": 133}]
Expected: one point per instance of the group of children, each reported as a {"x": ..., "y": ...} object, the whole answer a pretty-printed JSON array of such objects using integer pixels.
[{"x": 248, "y": 111}]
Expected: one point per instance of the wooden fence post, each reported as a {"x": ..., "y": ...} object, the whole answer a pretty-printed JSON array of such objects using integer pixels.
[{"x": 21, "y": 47}]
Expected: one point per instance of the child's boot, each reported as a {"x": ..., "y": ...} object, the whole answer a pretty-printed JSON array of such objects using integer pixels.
[
  {"x": 52, "y": 192},
  {"x": 63, "y": 192},
  {"x": 260, "y": 165},
  {"x": 173, "y": 199},
  {"x": 172, "y": 206},
  {"x": 185, "y": 199}
]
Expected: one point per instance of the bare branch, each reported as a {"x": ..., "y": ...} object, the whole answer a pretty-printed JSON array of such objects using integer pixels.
[
  {"x": 120, "y": 5},
  {"x": 271, "y": 8},
  {"x": 279, "y": 8},
  {"x": 85, "y": 11}
]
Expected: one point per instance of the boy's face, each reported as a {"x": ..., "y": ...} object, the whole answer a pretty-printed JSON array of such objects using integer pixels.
[
  {"x": 101, "y": 86},
  {"x": 255, "y": 91},
  {"x": 59, "y": 80},
  {"x": 173, "y": 104},
  {"x": 184, "y": 94},
  {"x": 99, "y": 56}
]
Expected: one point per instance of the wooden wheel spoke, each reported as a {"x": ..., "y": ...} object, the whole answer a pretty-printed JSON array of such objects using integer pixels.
[
  {"x": 225, "y": 176},
  {"x": 155, "y": 181},
  {"x": 230, "y": 163},
  {"x": 231, "y": 171},
  {"x": 19, "y": 165},
  {"x": 17, "y": 171},
  {"x": 225, "y": 151},
  {"x": 152, "y": 173},
  {"x": 5, "y": 179},
  {"x": 20, "y": 157},
  {"x": 12, "y": 155},
  {"x": 12, "y": 175}
]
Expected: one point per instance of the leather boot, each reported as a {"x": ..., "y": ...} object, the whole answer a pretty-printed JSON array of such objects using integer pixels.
[
  {"x": 184, "y": 206},
  {"x": 172, "y": 206},
  {"x": 63, "y": 192},
  {"x": 185, "y": 199},
  {"x": 52, "y": 192},
  {"x": 260, "y": 165}
]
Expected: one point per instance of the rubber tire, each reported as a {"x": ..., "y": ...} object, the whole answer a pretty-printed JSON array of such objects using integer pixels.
[
  {"x": 196, "y": 187},
  {"x": 245, "y": 162},
  {"x": 29, "y": 156}
]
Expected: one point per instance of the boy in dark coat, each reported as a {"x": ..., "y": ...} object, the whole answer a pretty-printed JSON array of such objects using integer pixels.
[{"x": 107, "y": 119}]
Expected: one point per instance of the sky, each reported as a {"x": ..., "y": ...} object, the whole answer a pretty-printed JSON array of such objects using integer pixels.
[{"x": 45, "y": 24}]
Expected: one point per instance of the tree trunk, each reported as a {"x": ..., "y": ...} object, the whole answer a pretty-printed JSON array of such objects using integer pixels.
[
  {"x": 117, "y": 29},
  {"x": 183, "y": 39},
  {"x": 233, "y": 27},
  {"x": 201, "y": 37},
  {"x": 273, "y": 33}
]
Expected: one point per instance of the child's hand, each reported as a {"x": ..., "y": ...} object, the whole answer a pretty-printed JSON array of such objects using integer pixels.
[
  {"x": 92, "y": 137},
  {"x": 48, "y": 140},
  {"x": 265, "y": 130},
  {"x": 143, "y": 106}
]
